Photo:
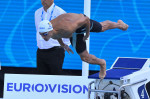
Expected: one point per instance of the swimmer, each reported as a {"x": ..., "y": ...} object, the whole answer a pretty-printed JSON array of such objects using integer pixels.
[{"x": 66, "y": 24}]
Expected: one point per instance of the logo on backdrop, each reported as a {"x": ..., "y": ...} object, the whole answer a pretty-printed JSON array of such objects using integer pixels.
[{"x": 52, "y": 88}]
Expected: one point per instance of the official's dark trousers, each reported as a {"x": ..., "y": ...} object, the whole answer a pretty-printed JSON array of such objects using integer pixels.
[{"x": 50, "y": 61}]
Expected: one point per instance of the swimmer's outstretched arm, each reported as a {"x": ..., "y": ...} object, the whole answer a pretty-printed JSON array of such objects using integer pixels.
[{"x": 66, "y": 47}]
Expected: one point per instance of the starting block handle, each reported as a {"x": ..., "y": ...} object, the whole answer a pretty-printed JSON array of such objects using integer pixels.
[
  {"x": 119, "y": 92},
  {"x": 103, "y": 91},
  {"x": 89, "y": 88},
  {"x": 140, "y": 81}
]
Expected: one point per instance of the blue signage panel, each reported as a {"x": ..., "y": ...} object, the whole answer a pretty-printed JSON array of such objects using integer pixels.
[{"x": 142, "y": 92}]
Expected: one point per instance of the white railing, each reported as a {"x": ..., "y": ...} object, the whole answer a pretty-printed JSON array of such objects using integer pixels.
[{"x": 87, "y": 11}]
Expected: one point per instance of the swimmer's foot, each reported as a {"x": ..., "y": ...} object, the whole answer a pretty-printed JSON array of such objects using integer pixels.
[
  {"x": 102, "y": 73},
  {"x": 123, "y": 26}
]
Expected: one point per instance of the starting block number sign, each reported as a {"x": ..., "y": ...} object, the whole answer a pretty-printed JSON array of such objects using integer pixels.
[{"x": 143, "y": 94}]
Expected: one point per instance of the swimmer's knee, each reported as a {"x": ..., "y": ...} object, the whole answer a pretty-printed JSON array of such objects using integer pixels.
[
  {"x": 89, "y": 58},
  {"x": 103, "y": 62},
  {"x": 85, "y": 57}
]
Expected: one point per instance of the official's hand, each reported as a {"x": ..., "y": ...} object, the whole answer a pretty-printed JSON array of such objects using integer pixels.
[{"x": 68, "y": 49}]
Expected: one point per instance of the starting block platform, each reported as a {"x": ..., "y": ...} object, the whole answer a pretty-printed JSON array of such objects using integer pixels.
[{"x": 128, "y": 78}]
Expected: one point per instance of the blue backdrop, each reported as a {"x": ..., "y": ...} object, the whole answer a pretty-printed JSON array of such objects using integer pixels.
[{"x": 18, "y": 40}]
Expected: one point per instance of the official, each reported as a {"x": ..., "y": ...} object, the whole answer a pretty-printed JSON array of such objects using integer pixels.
[{"x": 50, "y": 55}]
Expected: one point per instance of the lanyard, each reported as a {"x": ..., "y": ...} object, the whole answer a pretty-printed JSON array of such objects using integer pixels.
[{"x": 50, "y": 16}]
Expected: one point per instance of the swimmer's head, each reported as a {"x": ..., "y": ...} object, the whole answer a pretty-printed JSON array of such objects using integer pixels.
[{"x": 44, "y": 28}]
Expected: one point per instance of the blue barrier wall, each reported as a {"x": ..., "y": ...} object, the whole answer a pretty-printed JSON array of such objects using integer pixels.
[{"x": 18, "y": 40}]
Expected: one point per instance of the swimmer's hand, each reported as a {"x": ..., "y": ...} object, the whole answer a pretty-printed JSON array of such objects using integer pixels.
[
  {"x": 85, "y": 37},
  {"x": 68, "y": 49}
]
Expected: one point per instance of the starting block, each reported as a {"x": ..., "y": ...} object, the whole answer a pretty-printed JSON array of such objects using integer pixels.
[{"x": 128, "y": 78}]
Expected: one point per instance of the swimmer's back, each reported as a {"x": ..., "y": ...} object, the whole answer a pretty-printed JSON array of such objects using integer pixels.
[{"x": 67, "y": 21}]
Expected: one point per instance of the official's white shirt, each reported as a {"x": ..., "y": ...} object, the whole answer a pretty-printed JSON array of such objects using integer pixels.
[{"x": 55, "y": 11}]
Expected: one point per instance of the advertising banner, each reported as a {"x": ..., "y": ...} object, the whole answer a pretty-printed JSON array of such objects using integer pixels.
[{"x": 21, "y": 86}]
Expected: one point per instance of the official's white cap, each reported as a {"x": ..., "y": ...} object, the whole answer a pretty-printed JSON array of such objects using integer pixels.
[{"x": 45, "y": 26}]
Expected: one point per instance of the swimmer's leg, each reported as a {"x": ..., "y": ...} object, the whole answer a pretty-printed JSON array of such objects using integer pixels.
[
  {"x": 106, "y": 25},
  {"x": 85, "y": 56}
]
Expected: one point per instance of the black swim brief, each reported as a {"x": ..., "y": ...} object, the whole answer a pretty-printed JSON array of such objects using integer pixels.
[{"x": 80, "y": 44}]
